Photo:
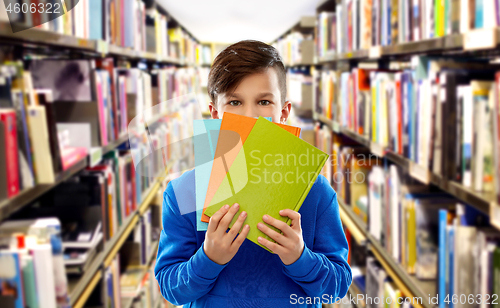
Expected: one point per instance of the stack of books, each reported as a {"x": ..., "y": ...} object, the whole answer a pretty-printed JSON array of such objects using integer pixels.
[{"x": 263, "y": 166}]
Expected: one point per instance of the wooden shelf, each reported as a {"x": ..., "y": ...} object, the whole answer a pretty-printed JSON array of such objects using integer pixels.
[
  {"x": 129, "y": 299},
  {"x": 408, "y": 284},
  {"x": 81, "y": 288},
  {"x": 25, "y": 197},
  {"x": 481, "y": 201},
  {"x": 449, "y": 43},
  {"x": 36, "y": 37}
]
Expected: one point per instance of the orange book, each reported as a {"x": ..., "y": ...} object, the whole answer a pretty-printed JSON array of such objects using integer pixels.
[{"x": 234, "y": 131}]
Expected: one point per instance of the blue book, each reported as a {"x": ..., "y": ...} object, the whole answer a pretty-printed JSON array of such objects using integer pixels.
[
  {"x": 22, "y": 128},
  {"x": 95, "y": 25},
  {"x": 411, "y": 112},
  {"x": 109, "y": 281},
  {"x": 451, "y": 256},
  {"x": 388, "y": 20},
  {"x": 405, "y": 114},
  {"x": 129, "y": 15},
  {"x": 109, "y": 103},
  {"x": 205, "y": 137},
  {"x": 441, "y": 281},
  {"x": 479, "y": 17}
]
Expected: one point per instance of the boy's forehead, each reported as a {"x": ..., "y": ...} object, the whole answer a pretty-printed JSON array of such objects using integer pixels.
[{"x": 260, "y": 84}]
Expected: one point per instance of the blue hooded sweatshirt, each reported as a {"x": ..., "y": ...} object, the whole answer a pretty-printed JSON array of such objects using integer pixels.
[{"x": 254, "y": 277}]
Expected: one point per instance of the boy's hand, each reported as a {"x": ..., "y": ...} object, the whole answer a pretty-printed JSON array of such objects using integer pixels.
[
  {"x": 220, "y": 246},
  {"x": 290, "y": 244}
]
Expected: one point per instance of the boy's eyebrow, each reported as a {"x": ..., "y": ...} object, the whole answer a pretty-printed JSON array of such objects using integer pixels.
[
  {"x": 261, "y": 95},
  {"x": 265, "y": 94}
]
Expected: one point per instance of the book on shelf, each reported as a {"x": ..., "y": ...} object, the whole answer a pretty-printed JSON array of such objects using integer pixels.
[
  {"x": 41, "y": 239},
  {"x": 124, "y": 23},
  {"x": 363, "y": 24},
  {"x": 49, "y": 127},
  {"x": 429, "y": 114}
]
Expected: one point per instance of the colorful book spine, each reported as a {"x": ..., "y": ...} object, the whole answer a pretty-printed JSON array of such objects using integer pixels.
[
  {"x": 441, "y": 281},
  {"x": 8, "y": 120}
]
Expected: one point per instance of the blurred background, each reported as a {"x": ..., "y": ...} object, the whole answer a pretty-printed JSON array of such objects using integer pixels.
[{"x": 403, "y": 96}]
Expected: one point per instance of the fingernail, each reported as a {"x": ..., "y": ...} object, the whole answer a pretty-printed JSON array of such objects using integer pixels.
[
  {"x": 243, "y": 214},
  {"x": 266, "y": 217},
  {"x": 259, "y": 239},
  {"x": 247, "y": 226},
  {"x": 226, "y": 206}
]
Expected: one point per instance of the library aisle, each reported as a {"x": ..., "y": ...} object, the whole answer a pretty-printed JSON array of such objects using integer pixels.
[{"x": 97, "y": 104}]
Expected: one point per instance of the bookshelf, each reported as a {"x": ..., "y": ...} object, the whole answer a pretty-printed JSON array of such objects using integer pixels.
[
  {"x": 411, "y": 286},
  {"x": 11, "y": 205},
  {"x": 80, "y": 289},
  {"x": 35, "y": 37},
  {"x": 454, "y": 44},
  {"x": 127, "y": 301},
  {"x": 482, "y": 201},
  {"x": 350, "y": 44},
  {"x": 35, "y": 44}
]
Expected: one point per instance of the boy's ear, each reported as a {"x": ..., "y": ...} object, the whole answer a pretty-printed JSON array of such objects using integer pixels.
[
  {"x": 213, "y": 111},
  {"x": 285, "y": 112}
]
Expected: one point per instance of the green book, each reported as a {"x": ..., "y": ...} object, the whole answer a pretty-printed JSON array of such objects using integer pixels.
[
  {"x": 114, "y": 155},
  {"x": 29, "y": 285},
  {"x": 274, "y": 170}
]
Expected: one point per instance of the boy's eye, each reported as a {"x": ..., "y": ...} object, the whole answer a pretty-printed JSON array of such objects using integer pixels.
[
  {"x": 265, "y": 103},
  {"x": 234, "y": 103}
]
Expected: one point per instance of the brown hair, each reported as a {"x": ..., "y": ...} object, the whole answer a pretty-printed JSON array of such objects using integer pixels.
[{"x": 240, "y": 60}]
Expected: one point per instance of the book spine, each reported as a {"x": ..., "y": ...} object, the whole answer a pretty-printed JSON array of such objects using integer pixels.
[
  {"x": 399, "y": 116},
  {"x": 308, "y": 188},
  {"x": 101, "y": 109},
  {"x": 25, "y": 139},
  {"x": 8, "y": 119},
  {"x": 496, "y": 135},
  {"x": 441, "y": 286},
  {"x": 479, "y": 14},
  {"x": 451, "y": 260},
  {"x": 45, "y": 99}
]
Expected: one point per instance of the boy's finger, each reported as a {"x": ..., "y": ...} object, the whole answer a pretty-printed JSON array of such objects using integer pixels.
[
  {"x": 294, "y": 216},
  {"x": 241, "y": 237},
  {"x": 228, "y": 217},
  {"x": 278, "y": 237},
  {"x": 214, "y": 220},
  {"x": 237, "y": 225},
  {"x": 278, "y": 224},
  {"x": 277, "y": 249}
]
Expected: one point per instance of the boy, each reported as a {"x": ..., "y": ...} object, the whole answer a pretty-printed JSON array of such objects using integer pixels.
[{"x": 213, "y": 268}]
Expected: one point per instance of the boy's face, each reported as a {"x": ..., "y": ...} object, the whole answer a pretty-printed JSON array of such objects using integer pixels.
[{"x": 256, "y": 95}]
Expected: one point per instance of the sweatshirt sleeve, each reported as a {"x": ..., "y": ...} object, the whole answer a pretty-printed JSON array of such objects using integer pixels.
[
  {"x": 324, "y": 268},
  {"x": 183, "y": 272}
]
